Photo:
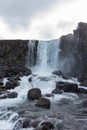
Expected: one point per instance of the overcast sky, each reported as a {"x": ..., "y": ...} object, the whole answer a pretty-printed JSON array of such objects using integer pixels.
[{"x": 40, "y": 19}]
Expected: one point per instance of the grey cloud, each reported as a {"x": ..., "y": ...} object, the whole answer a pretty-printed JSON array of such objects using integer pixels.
[
  {"x": 20, "y": 12},
  {"x": 45, "y": 31},
  {"x": 64, "y": 25}
]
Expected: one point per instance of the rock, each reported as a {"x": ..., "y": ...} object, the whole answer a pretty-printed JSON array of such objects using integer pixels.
[
  {"x": 30, "y": 79},
  {"x": 34, "y": 94},
  {"x": 44, "y": 127},
  {"x": 44, "y": 103},
  {"x": 82, "y": 90},
  {"x": 59, "y": 73},
  {"x": 70, "y": 87},
  {"x": 84, "y": 83},
  {"x": 26, "y": 123},
  {"x": 67, "y": 87},
  {"x": 57, "y": 91},
  {"x": 73, "y": 53},
  {"x": 35, "y": 123},
  {"x": 60, "y": 85},
  {"x": 49, "y": 95},
  {"x": 7, "y": 94},
  {"x": 11, "y": 85},
  {"x": 1, "y": 83},
  {"x": 49, "y": 125},
  {"x": 14, "y": 79},
  {"x": 12, "y": 95}
]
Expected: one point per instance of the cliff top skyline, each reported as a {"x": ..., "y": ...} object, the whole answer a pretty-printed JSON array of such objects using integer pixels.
[{"x": 40, "y": 19}]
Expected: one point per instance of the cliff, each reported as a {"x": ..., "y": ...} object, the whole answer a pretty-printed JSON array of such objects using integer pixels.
[
  {"x": 13, "y": 52},
  {"x": 74, "y": 50}
]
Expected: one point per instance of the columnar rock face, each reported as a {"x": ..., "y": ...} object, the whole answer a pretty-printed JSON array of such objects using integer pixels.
[
  {"x": 13, "y": 58},
  {"x": 13, "y": 52},
  {"x": 73, "y": 54}
]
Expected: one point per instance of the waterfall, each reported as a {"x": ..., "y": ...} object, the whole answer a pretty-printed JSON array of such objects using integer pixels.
[
  {"x": 44, "y": 55},
  {"x": 32, "y": 53}
]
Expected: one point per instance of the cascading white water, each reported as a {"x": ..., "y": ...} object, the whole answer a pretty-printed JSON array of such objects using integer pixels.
[
  {"x": 32, "y": 46},
  {"x": 46, "y": 56}
]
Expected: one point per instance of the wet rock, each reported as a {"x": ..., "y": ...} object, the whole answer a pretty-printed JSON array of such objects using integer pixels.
[
  {"x": 35, "y": 123},
  {"x": 67, "y": 87},
  {"x": 11, "y": 85},
  {"x": 82, "y": 90},
  {"x": 14, "y": 79},
  {"x": 12, "y": 95},
  {"x": 30, "y": 79},
  {"x": 57, "y": 91},
  {"x": 1, "y": 83},
  {"x": 84, "y": 83},
  {"x": 7, "y": 94},
  {"x": 44, "y": 127},
  {"x": 49, "y": 125},
  {"x": 44, "y": 103},
  {"x": 49, "y": 95},
  {"x": 34, "y": 94},
  {"x": 26, "y": 123},
  {"x": 59, "y": 73}
]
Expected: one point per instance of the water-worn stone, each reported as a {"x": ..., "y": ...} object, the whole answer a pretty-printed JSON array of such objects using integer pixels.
[
  {"x": 26, "y": 123},
  {"x": 12, "y": 95},
  {"x": 34, "y": 94},
  {"x": 82, "y": 90},
  {"x": 11, "y": 85},
  {"x": 49, "y": 95},
  {"x": 57, "y": 91},
  {"x": 44, "y": 103},
  {"x": 7, "y": 94},
  {"x": 67, "y": 87},
  {"x": 48, "y": 124}
]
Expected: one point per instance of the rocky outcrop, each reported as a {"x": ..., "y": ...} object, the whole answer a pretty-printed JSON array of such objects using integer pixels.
[
  {"x": 13, "y": 52},
  {"x": 73, "y": 54},
  {"x": 13, "y": 58}
]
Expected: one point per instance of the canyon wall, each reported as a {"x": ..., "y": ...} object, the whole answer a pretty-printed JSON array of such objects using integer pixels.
[{"x": 74, "y": 50}]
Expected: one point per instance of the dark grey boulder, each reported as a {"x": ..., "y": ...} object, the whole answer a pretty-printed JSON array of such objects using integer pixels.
[
  {"x": 44, "y": 103},
  {"x": 67, "y": 86},
  {"x": 48, "y": 124},
  {"x": 12, "y": 95},
  {"x": 34, "y": 94}
]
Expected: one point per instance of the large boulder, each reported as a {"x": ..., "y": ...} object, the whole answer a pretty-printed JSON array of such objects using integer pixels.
[
  {"x": 67, "y": 86},
  {"x": 34, "y": 94},
  {"x": 44, "y": 103}
]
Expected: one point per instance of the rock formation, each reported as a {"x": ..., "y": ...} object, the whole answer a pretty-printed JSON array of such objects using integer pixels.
[{"x": 73, "y": 54}]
